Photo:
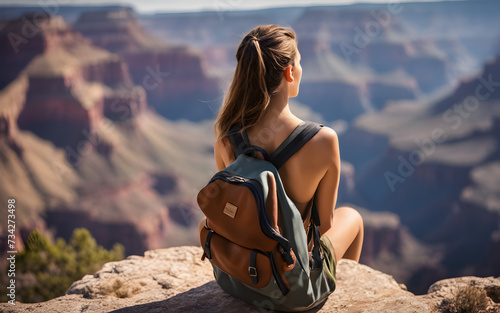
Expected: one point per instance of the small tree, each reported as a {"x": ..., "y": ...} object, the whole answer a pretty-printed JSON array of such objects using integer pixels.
[{"x": 46, "y": 270}]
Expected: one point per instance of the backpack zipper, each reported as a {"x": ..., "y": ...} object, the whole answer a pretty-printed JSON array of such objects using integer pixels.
[{"x": 256, "y": 189}]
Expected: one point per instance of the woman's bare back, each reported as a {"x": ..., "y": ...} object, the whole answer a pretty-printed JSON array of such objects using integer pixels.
[{"x": 314, "y": 169}]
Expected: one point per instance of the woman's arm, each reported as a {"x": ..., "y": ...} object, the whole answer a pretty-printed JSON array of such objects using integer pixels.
[
  {"x": 326, "y": 195},
  {"x": 223, "y": 153},
  {"x": 219, "y": 162}
]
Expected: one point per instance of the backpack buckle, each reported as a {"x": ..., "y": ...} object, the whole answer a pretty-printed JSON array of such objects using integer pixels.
[
  {"x": 252, "y": 271},
  {"x": 253, "y": 274}
]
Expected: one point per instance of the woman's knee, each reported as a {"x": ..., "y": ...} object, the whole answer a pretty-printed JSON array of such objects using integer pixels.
[
  {"x": 346, "y": 234},
  {"x": 353, "y": 216}
]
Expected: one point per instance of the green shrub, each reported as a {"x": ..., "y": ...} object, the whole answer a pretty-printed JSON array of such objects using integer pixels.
[{"x": 45, "y": 270}]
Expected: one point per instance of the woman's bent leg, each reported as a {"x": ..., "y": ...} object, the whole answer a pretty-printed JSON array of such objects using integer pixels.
[{"x": 346, "y": 233}]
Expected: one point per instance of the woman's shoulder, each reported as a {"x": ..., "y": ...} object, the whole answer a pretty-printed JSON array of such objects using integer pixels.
[
  {"x": 326, "y": 137},
  {"x": 324, "y": 145}
]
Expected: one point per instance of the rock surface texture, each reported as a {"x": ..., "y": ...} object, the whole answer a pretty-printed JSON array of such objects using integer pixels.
[{"x": 176, "y": 280}]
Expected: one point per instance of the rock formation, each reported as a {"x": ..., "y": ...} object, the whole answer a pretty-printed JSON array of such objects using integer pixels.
[
  {"x": 175, "y": 81},
  {"x": 377, "y": 39},
  {"x": 443, "y": 153},
  {"x": 129, "y": 162},
  {"x": 24, "y": 38},
  {"x": 80, "y": 147},
  {"x": 176, "y": 280},
  {"x": 71, "y": 84},
  {"x": 399, "y": 51}
]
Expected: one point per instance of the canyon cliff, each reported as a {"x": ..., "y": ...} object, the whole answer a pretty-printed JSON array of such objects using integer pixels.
[
  {"x": 356, "y": 59},
  {"x": 447, "y": 152},
  {"x": 81, "y": 144},
  {"x": 176, "y": 280},
  {"x": 81, "y": 148},
  {"x": 172, "y": 74}
]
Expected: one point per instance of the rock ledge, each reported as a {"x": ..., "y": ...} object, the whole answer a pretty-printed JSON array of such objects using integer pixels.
[{"x": 176, "y": 280}]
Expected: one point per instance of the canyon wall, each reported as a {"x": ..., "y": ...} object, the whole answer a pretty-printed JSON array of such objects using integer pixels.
[
  {"x": 172, "y": 75},
  {"x": 82, "y": 148}
]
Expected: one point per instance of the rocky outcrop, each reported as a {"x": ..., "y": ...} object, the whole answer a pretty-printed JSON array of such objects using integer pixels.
[
  {"x": 72, "y": 85},
  {"x": 15, "y": 96},
  {"x": 57, "y": 106},
  {"x": 25, "y": 37},
  {"x": 117, "y": 31},
  {"x": 55, "y": 191},
  {"x": 176, "y": 280},
  {"x": 89, "y": 153},
  {"x": 25, "y": 165},
  {"x": 175, "y": 81},
  {"x": 111, "y": 215}
]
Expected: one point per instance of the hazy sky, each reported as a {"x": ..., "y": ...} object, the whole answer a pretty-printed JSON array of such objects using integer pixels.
[{"x": 154, "y": 6}]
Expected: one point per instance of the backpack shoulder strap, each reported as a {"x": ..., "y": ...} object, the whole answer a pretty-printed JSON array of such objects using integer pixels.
[
  {"x": 239, "y": 140},
  {"x": 294, "y": 142}
]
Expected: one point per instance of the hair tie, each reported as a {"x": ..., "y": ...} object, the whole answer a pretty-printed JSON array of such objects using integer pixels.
[{"x": 252, "y": 38}]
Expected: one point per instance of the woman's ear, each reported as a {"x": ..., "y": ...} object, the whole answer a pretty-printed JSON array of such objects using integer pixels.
[{"x": 288, "y": 74}]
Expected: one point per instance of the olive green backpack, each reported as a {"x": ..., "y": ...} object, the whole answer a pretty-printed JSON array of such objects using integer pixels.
[{"x": 254, "y": 235}]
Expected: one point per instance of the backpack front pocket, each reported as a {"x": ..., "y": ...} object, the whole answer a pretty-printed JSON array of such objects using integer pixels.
[
  {"x": 251, "y": 266},
  {"x": 236, "y": 210}
]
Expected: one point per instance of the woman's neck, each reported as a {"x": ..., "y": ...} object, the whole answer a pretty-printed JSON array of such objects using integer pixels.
[{"x": 278, "y": 111}]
